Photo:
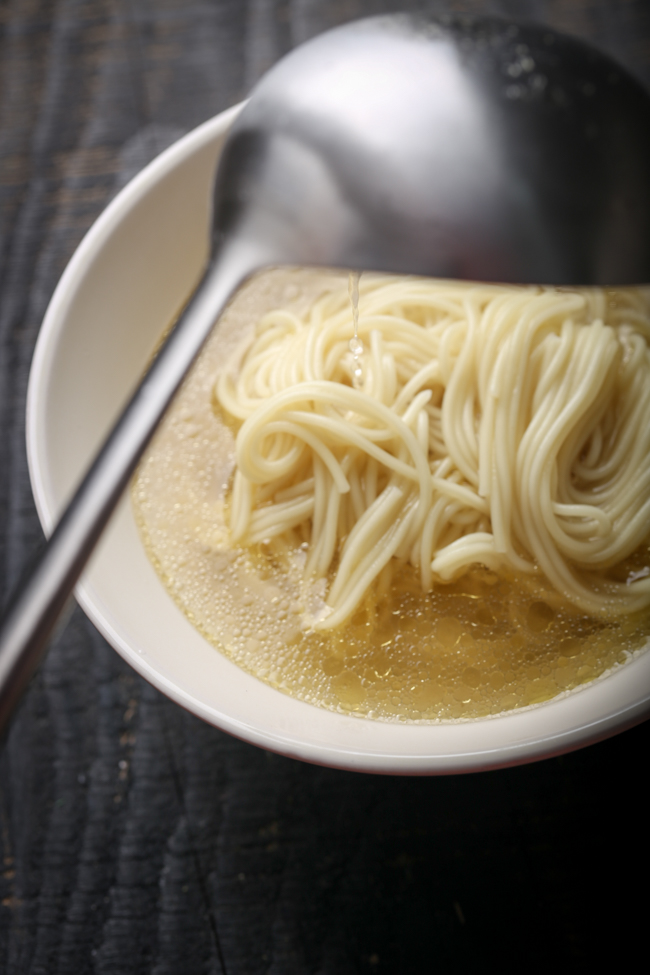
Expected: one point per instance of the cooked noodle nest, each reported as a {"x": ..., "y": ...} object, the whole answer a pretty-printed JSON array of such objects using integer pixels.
[{"x": 503, "y": 426}]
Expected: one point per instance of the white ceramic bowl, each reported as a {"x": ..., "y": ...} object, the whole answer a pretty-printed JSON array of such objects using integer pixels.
[{"x": 130, "y": 275}]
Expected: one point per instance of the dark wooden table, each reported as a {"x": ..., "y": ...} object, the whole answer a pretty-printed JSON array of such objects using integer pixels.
[{"x": 133, "y": 837}]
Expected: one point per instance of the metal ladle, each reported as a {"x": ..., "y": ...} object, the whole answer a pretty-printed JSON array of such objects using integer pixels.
[{"x": 461, "y": 148}]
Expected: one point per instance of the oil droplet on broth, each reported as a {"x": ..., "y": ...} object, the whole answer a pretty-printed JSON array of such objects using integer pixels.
[{"x": 482, "y": 645}]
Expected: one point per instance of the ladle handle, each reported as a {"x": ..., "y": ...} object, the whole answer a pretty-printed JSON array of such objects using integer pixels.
[{"x": 39, "y": 600}]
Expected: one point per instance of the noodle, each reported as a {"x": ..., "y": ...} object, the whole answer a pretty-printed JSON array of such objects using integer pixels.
[{"x": 508, "y": 427}]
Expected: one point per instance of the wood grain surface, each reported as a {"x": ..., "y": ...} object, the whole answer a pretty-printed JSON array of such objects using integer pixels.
[{"x": 134, "y": 838}]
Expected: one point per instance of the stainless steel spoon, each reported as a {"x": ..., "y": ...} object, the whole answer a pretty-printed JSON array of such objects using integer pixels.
[{"x": 460, "y": 148}]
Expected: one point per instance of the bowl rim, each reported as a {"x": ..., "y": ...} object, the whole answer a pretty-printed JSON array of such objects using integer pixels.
[{"x": 610, "y": 704}]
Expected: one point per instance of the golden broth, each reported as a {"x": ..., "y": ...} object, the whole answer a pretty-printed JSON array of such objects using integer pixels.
[{"x": 479, "y": 646}]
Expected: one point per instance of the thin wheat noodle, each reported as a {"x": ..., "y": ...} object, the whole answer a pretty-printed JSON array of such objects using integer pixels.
[{"x": 503, "y": 426}]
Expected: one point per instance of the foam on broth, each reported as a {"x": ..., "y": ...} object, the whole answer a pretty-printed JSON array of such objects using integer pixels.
[{"x": 479, "y": 646}]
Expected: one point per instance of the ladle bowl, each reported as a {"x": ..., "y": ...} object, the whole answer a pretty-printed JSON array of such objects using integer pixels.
[{"x": 467, "y": 149}]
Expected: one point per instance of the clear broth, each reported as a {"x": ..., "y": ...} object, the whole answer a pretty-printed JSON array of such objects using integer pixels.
[{"x": 483, "y": 645}]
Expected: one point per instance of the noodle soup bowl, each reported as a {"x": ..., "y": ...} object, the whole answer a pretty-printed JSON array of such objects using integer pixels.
[{"x": 126, "y": 282}]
